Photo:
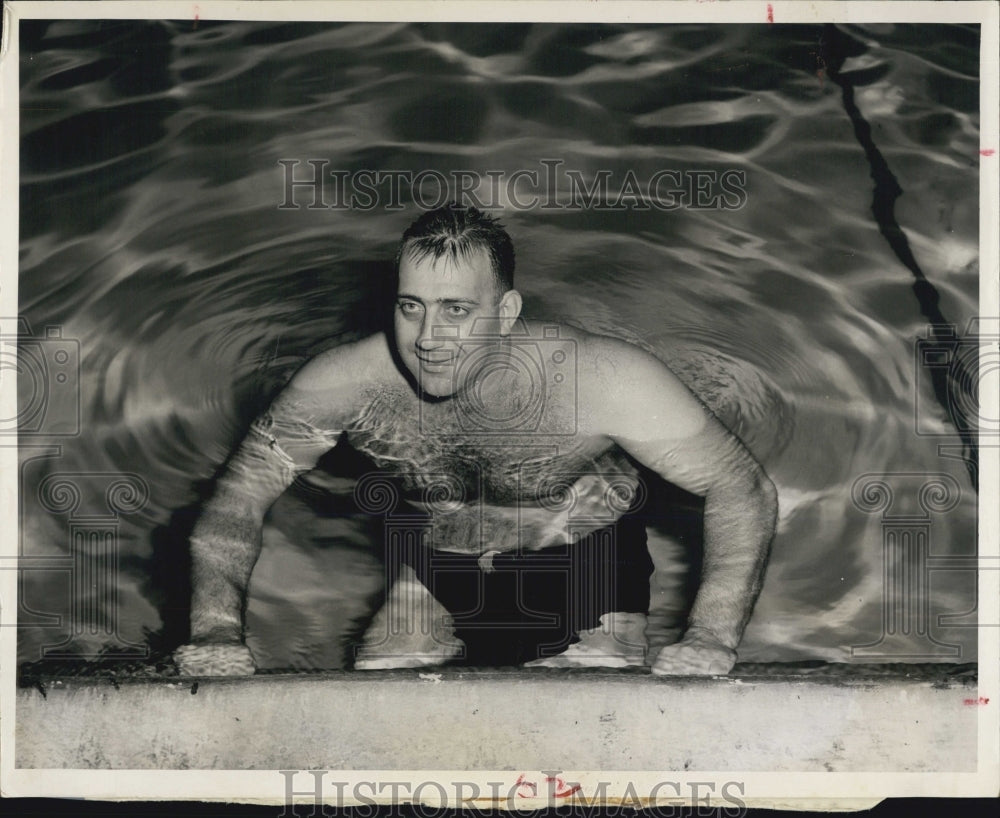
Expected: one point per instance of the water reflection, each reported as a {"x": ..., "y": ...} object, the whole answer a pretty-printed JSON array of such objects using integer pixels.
[{"x": 151, "y": 233}]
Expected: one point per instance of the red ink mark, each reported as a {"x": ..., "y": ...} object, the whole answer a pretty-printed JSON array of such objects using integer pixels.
[
  {"x": 980, "y": 701},
  {"x": 820, "y": 68},
  {"x": 529, "y": 789},
  {"x": 987, "y": 152},
  {"x": 521, "y": 782},
  {"x": 197, "y": 16},
  {"x": 561, "y": 789},
  {"x": 770, "y": 13}
]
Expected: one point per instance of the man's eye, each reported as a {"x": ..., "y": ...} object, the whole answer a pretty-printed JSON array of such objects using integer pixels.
[
  {"x": 454, "y": 311},
  {"x": 409, "y": 307}
]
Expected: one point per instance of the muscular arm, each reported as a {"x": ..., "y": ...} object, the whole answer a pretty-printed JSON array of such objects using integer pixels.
[
  {"x": 284, "y": 442},
  {"x": 740, "y": 510},
  {"x": 651, "y": 415}
]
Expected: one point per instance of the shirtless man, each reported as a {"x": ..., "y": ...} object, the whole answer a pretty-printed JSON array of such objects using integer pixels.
[{"x": 503, "y": 410}]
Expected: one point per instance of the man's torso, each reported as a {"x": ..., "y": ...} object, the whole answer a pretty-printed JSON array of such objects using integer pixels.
[{"x": 515, "y": 468}]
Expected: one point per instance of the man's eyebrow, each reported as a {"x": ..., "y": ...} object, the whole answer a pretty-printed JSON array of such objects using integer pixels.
[{"x": 408, "y": 297}]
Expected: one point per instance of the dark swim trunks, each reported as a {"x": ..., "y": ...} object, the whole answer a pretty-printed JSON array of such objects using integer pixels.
[{"x": 533, "y": 604}]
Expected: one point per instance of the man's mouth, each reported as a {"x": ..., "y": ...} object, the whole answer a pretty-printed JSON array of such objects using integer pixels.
[{"x": 435, "y": 360}]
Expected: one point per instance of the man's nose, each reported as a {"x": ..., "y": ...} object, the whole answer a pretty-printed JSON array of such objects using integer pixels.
[
  {"x": 433, "y": 334},
  {"x": 425, "y": 338}
]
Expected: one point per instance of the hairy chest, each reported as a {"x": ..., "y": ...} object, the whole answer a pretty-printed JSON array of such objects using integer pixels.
[{"x": 430, "y": 448}]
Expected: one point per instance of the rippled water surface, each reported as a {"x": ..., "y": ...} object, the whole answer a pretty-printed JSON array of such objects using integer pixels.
[{"x": 151, "y": 233}]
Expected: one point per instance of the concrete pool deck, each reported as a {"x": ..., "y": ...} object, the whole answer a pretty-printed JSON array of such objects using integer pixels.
[{"x": 448, "y": 718}]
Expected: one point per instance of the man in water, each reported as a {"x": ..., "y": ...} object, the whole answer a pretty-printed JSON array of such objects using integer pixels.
[{"x": 517, "y": 441}]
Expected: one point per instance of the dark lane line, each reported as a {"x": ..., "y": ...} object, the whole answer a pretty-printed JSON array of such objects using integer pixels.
[{"x": 955, "y": 386}]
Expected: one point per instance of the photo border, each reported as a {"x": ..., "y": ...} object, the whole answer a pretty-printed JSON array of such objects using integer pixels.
[{"x": 772, "y": 789}]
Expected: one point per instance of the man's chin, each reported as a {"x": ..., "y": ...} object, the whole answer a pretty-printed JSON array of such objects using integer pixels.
[
  {"x": 437, "y": 385},
  {"x": 436, "y": 391}
]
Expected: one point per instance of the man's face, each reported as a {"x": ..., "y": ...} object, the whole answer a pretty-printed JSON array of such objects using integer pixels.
[{"x": 441, "y": 302}]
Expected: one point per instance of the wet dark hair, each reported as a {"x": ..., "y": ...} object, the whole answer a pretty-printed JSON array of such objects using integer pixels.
[{"x": 460, "y": 232}]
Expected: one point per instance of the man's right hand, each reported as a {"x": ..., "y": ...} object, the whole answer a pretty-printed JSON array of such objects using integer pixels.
[
  {"x": 287, "y": 440},
  {"x": 214, "y": 660}
]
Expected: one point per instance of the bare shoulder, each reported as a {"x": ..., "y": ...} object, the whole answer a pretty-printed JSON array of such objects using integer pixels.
[
  {"x": 602, "y": 362},
  {"x": 624, "y": 388},
  {"x": 608, "y": 363},
  {"x": 356, "y": 364},
  {"x": 338, "y": 383},
  {"x": 614, "y": 360}
]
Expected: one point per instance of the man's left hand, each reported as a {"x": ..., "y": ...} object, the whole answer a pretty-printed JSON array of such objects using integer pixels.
[{"x": 699, "y": 653}]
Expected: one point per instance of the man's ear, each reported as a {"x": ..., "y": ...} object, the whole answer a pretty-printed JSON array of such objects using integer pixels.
[{"x": 510, "y": 309}]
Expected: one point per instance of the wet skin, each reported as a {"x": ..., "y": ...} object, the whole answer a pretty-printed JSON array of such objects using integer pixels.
[{"x": 481, "y": 416}]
